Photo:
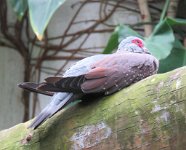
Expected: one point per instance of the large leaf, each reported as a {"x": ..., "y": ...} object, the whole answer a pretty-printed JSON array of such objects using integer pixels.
[
  {"x": 19, "y": 6},
  {"x": 177, "y": 58},
  {"x": 161, "y": 41},
  {"x": 112, "y": 43},
  {"x": 120, "y": 32},
  {"x": 175, "y": 21},
  {"x": 40, "y": 12},
  {"x": 125, "y": 31}
]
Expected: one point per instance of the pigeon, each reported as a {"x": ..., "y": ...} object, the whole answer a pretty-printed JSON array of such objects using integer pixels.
[{"x": 101, "y": 74}]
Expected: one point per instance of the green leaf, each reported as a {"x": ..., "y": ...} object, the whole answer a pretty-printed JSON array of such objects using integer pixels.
[
  {"x": 177, "y": 58},
  {"x": 161, "y": 41},
  {"x": 165, "y": 8},
  {"x": 120, "y": 32},
  {"x": 125, "y": 31},
  {"x": 175, "y": 21},
  {"x": 40, "y": 12},
  {"x": 19, "y": 6},
  {"x": 112, "y": 43}
]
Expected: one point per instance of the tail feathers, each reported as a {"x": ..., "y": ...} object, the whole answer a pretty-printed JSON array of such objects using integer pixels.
[
  {"x": 33, "y": 87},
  {"x": 59, "y": 100},
  {"x": 48, "y": 87},
  {"x": 55, "y": 84},
  {"x": 39, "y": 119},
  {"x": 50, "y": 84},
  {"x": 60, "y": 84},
  {"x": 53, "y": 79}
]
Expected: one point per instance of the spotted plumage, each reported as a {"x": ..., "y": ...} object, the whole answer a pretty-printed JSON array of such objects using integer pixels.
[{"x": 101, "y": 74}]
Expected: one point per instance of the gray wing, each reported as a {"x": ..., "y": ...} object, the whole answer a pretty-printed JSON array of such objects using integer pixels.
[
  {"x": 83, "y": 66},
  {"x": 57, "y": 102}
]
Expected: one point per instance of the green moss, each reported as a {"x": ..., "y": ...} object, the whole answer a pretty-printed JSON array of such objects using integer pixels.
[{"x": 13, "y": 135}]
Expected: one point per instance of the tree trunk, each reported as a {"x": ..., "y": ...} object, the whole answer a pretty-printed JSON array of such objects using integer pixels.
[{"x": 150, "y": 114}]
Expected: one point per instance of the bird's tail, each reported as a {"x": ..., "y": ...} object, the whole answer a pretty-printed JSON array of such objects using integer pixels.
[
  {"x": 59, "y": 100},
  {"x": 33, "y": 87}
]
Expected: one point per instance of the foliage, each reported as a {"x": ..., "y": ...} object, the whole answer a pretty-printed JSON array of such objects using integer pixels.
[
  {"x": 162, "y": 43},
  {"x": 40, "y": 12},
  {"x": 19, "y": 7}
]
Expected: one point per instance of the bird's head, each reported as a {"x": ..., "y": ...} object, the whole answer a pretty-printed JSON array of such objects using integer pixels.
[{"x": 132, "y": 44}]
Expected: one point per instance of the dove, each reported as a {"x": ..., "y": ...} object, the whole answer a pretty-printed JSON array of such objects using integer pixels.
[{"x": 102, "y": 74}]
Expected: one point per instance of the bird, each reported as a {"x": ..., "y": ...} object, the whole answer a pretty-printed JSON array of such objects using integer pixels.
[{"x": 102, "y": 74}]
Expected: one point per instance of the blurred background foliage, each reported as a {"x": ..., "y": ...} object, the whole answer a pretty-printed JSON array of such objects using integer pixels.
[
  {"x": 162, "y": 42},
  {"x": 162, "y": 29}
]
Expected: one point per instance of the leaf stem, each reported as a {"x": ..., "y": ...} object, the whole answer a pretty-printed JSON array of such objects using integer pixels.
[{"x": 167, "y": 2}]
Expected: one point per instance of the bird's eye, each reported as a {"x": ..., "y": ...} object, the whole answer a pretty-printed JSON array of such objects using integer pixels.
[{"x": 138, "y": 42}]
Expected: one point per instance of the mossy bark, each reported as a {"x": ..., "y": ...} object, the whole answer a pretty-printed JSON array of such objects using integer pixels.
[{"x": 150, "y": 114}]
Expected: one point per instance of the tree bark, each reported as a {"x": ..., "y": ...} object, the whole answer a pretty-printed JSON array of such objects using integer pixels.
[{"x": 150, "y": 114}]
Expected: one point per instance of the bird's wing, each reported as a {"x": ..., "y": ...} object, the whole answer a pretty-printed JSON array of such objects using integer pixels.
[
  {"x": 108, "y": 75},
  {"x": 81, "y": 67},
  {"x": 119, "y": 71}
]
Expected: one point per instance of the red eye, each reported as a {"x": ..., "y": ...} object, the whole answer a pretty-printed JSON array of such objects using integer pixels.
[{"x": 137, "y": 42}]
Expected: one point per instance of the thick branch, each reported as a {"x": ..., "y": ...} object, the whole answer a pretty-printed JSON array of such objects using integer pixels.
[{"x": 150, "y": 114}]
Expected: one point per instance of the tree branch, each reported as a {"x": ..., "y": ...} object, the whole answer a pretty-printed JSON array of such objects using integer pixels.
[
  {"x": 145, "y": 15},
  {"x": 150, "y": 114}
]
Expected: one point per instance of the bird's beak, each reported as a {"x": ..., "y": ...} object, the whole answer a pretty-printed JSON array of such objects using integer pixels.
[{"x": 146, "y": 50}]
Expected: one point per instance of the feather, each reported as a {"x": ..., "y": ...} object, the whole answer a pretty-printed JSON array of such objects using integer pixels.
[
  {"x": 33, "y": 88},
  {"x": 98, "y": 72},
  {"x": 59, "y": 100},
  {"x": 48, "y": 87},
  {"x": 52, "y": 79}
]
